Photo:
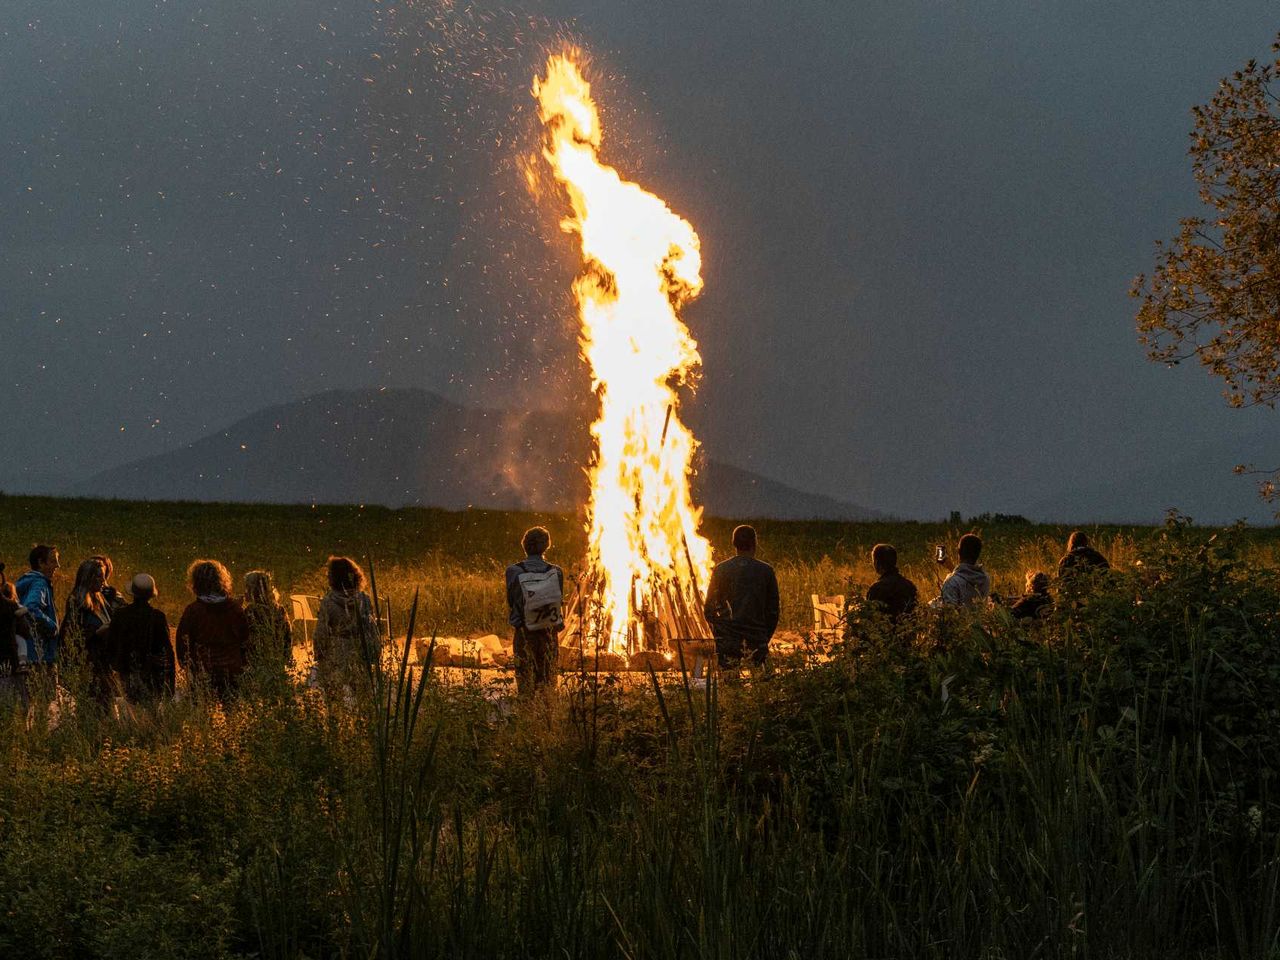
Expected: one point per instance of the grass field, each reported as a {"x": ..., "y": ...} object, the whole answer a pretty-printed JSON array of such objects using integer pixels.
[
  {"x": 1101, "y": 784},
  {"x": 457, "y": 558}
]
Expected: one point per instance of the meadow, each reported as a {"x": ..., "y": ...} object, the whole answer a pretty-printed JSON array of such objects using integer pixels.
[{"x": 1099, "y": 784}]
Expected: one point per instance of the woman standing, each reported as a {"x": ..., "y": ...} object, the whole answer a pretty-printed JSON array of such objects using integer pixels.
[
  {"x": 213, "y": 634},
  {"x": 85, "y": 625},
  {"x": 269, "y": 632},
  {"x": 346, "y": 633}
]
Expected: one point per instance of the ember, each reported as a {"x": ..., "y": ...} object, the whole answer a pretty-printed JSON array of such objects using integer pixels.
[{"x": 647, "y": 562}]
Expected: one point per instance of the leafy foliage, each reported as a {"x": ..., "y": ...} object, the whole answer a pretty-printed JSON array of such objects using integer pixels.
[{"x": 1215, "y": 291}]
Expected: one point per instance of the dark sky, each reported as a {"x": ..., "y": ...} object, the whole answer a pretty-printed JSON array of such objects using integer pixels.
[{"x": 919, "y": 223}]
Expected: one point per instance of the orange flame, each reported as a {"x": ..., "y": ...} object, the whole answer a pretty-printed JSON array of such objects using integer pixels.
[{"x": 642, "y": 264}]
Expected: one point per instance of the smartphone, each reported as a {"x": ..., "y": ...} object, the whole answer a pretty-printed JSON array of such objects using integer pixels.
[{"x": 940, "y": 553}]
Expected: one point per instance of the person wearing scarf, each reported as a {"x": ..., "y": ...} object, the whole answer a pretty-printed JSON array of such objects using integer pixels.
[{"x": 213, "y": 634}]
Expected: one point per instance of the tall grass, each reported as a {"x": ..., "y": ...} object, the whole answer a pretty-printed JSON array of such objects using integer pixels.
[{"x": 1097, "y": 785}]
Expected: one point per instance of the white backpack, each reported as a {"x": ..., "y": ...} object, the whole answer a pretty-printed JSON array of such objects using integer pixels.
[{"x": 542, "y": 599}]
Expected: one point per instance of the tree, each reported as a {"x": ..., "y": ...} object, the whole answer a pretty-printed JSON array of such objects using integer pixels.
[{"x": 1215, "y": 290}]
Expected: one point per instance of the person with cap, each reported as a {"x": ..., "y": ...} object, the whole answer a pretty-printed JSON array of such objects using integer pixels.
[{"x": 139, "y": 645}]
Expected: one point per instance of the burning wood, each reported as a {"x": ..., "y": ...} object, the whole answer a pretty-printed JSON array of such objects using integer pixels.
[{"x": 641, "y": 264}]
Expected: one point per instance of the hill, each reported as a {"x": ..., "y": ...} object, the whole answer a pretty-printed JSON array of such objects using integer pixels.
[{"x": 414, "y": 448}]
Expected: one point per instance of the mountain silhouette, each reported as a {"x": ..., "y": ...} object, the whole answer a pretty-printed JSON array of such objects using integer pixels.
[{"x": 415, "y": 448}]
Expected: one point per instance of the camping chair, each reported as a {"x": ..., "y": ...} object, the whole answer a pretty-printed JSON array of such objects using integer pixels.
[
  {"x": 828, "y": 616},
  {"x": 304, "y": 612}
]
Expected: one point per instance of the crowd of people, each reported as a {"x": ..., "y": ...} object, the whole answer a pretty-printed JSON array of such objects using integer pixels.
[
  {"x": 127, "y": 645},
  {"x": 130, "y": 651}
]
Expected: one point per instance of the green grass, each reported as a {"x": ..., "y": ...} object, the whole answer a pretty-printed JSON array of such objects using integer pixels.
[
  {"x": 1099, "y": 785},
  {"x": 458, "y": 557}
]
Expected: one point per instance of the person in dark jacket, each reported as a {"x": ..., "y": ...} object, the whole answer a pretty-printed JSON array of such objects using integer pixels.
[
  {"x": 1035, "y": 603},
  {"x": 11, "y": 616},
  {"x": 85, "y": 625},
  {"x": 270, "y": 635},
  {"x": 35, "y": 592},
  {"x": 742, "y": 605},
  {"x": 1080, "y": 558},
  {"x": 141, "y": 651},
  {"x": 534, "y": 652},
  {"x": 213, "y": 633},
  {"x": 892, "y": 592}
]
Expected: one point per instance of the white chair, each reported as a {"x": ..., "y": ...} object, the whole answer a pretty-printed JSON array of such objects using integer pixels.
[
  {"x": 828, "y": 616},
  {"x": 304, "y": 612}
]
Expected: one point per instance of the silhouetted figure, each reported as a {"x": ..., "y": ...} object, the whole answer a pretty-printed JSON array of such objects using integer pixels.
[
  {"x": 35, "y": 592},
  {"x": 1035, "y": 602},
  {"x": 141, "y": 650},
  {"x": 11, "y": 615},
  {"x": 346, "y": 633},
  {"x": 213, "y": 634},
  {"x": 892, "y": 593},
  {"x": 1080, "y": 558},
  {"x": 85, "y": 625},
  {"x": 968, "y": 583},
  {"x": 270, "y": 634},
  {"x": 742, "y": 603},
  {"x": 535, "y": 597}
]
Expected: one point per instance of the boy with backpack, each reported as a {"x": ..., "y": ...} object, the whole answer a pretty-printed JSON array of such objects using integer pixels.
[{"x": 535, "y": 597}]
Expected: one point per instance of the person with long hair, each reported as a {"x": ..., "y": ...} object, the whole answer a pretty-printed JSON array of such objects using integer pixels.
[
  {"x": 346, "y": 632},
  {"x": 213, "y": 634},
  {"x": 85, "y": 624},
  {"x": 270, "y": 634}
]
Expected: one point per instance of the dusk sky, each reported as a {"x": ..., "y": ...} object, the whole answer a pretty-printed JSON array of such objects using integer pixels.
[{"x": 919, "y": 220}]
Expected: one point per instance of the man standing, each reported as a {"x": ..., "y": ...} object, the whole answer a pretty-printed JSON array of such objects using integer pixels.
[
  {"x": 139, "y": 646},
  {"x": 892, "y": 592},
  {"x": 742, "y": 603},
  {"x": 35, "y": 592},
  {"x": 968, "y": 583},
  {"x": 535, "y": 596}
]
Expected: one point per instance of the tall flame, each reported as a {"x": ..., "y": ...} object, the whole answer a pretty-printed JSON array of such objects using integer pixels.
[{"x": 641, "y": 265}]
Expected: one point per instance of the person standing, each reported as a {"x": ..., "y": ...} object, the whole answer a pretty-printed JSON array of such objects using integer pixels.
[
  {"x": 85, "y": 625},
  {"x": 115, "y": 599},
  {"x": 139, "y": 645},
  {"x": 213, "y": 633},
  {"x": 35, "y": 592},
  {"x": 535, "y": 599},
  {"x": 270, "y": 635},
  {"x": 742, "y": 605},
  {"x": 346, "y": 633},
  {"x": 968, "y": 583},
  {"x": 892, "y": 592}
]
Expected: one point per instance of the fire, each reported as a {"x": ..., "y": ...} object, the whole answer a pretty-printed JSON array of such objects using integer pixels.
[{"x": 646, "y": 559}]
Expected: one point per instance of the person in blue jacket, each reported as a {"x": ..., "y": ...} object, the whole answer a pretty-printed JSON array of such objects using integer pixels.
[{"x": 35, "y": 592}]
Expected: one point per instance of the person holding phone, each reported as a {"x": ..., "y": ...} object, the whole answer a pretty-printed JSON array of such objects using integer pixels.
[{"x": 968, "y": 583}]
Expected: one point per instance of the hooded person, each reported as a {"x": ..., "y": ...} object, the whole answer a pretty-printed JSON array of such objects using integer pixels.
[
  {"x": 138, "y": 640},
  {"x": 968, "y": 583},
  {"x": 213, "y": 633},
  {"x": 346, "y": 632}
]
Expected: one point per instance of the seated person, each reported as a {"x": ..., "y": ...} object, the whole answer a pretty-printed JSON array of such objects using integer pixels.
[
  {"x": 968, "y": 583},
  {"x": 742, "y": 605},
  {"x": 1080, "y": 557},
  {"x": 1035, "y": 603},
  {"x": 892, "y": 592}
]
